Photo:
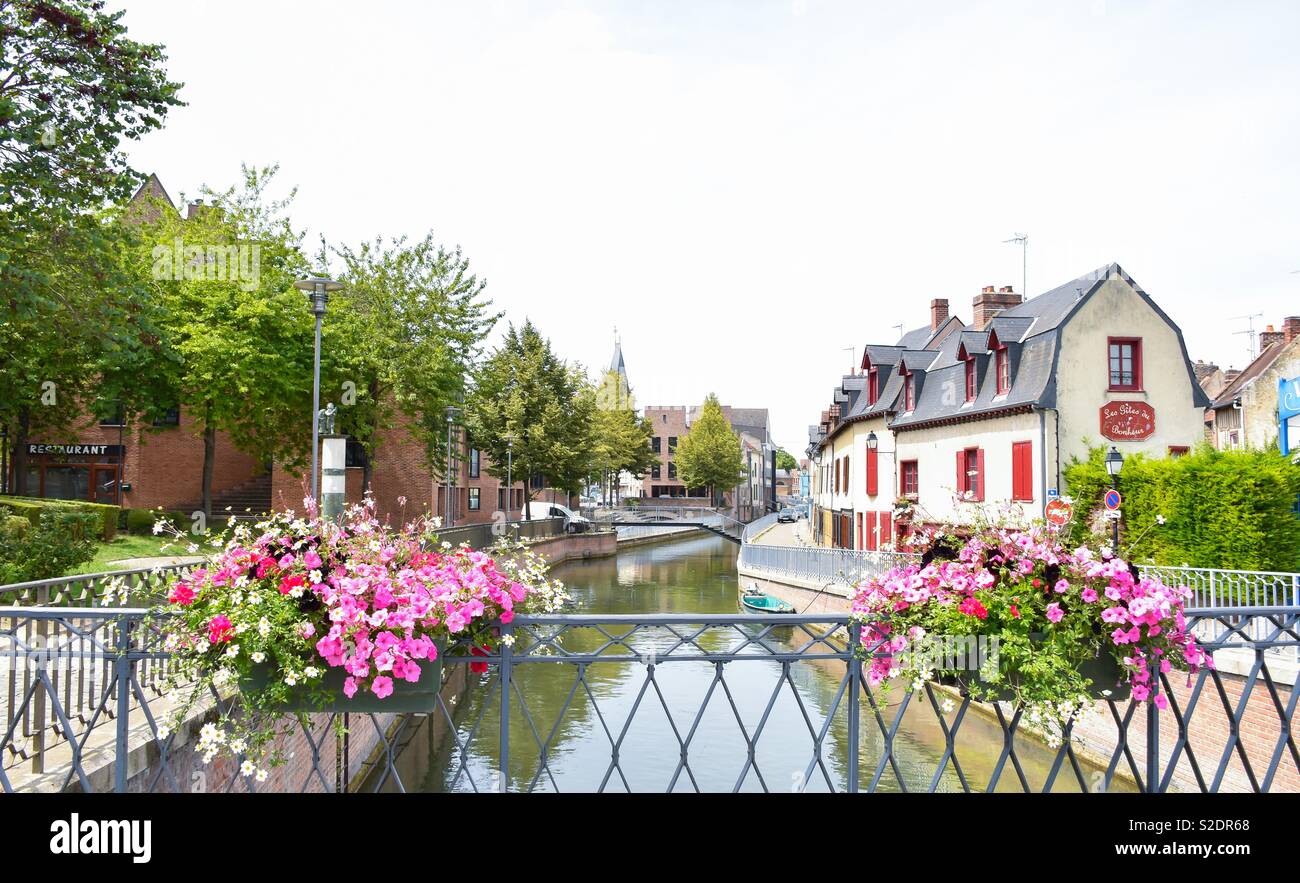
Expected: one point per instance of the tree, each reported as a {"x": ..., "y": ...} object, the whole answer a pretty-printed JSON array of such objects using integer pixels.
[
  {"x": 786, "y": 460},
  {"x": 405, "y": 332},
  {"x": 709, "y": 455},
  {"x": 241, "y": 333},
  {"x": 72, "y": 87},
  {"x": 622, "y": 440},
  {"x": 525, "y": 392}
]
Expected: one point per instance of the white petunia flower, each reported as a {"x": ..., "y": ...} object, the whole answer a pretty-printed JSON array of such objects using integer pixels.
[
  {"x": 259, "y": 656},
  {"x": 247, "y": 769}
]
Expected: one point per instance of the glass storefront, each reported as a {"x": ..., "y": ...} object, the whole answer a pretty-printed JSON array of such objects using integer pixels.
[{"x": 56, "y": 473}]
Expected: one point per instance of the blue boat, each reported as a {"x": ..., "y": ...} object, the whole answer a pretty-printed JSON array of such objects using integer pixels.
[{"x": 754, "y": 600}]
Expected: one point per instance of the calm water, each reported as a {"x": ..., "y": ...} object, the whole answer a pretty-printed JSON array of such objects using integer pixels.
[{"x": 578, "y": 719}]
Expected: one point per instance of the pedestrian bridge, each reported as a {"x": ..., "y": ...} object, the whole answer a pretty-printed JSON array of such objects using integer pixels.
[{"x": 645, "y": 520}]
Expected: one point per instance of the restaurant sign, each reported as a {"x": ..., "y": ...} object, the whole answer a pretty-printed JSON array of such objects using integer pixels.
[
  {"x": 76, "y": 450},
  {"x": 1128, "y": 421}
]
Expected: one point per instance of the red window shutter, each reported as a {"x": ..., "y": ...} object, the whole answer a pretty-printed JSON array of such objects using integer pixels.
[
  {"x": 886, "y": 528},
  {"x": 979, "y": 475},
  {"x": 873, "y": 480},
  {"x": 961, "y": 472},
  {"x": 1022, "y": 471}
]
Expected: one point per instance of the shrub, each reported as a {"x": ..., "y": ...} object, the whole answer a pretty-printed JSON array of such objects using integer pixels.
[
  {"x": 32, "y": 507},
  {"x": 61, "y": 539},
  {"x": 1227, "y": 509}
]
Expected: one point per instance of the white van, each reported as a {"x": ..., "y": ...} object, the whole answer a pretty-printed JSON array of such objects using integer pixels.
[{"x": 540, "y": 509}]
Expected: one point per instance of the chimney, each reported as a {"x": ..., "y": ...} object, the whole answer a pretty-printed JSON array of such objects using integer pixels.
[
  {"x": 1268, "y": 337},
  {"x": 938, "y": 312},
  {"x": 1230, "y": 375},
  {"x": 989, "y": 303},
  {"x": 1291, "y": 328},
  {"x": 194, "y": 208}
]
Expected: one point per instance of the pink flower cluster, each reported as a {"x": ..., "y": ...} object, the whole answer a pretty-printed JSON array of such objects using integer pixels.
[
  {"x": 1025, "y": 577},
  {"x": 361, "y": 597}
]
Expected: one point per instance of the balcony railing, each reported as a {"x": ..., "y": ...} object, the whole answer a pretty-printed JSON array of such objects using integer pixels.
[
  {"x": 843, "y": 567},
  {"x": 662, "y": 702}
]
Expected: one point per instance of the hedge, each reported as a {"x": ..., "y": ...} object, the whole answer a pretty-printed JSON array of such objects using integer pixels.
[
  {"x": 32, "y": 507},
  {"x": 61, "y": 538},
  {"x": 1222, "y": 509}
]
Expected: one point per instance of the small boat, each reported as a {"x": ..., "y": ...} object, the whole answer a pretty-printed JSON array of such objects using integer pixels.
[{"x": 758, "y": 602}]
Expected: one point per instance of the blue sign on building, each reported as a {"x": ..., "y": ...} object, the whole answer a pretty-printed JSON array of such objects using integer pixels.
[{"x": 1288, "y": 406}]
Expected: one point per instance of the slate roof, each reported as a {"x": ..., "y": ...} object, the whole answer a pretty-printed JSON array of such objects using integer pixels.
[
  {"x": 1249, "y": 374},
  {"x": 1031, "y": 333}
]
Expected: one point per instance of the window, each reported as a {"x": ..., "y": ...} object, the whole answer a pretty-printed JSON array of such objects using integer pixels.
[
  {"x": 169, "y": 417},
  {"x": 909, "y": 478},
  {"x": 1022, "y": 471},
  {"x": 970, "y": 473},
  {"x": 873, "y": 386},
  {"x": 970, "y": 379},
  {"x": 672, "y": 470},
  {"x": 1176, "y": 451},
  {"x": 909, "y": 394},
  {"x": 672, "y": 444},
  {"x": 873, "y": 472},
  {"x": 474, "y": 499},
  {"x": 1125, "y": 354},
  {"x": 654, "y": 471},
  {"x": 474, "y": 462},
  {"x": 655, "y": 443},
  {"x": 1004, "y": 370},
  {"x": 111, "y": 414}
]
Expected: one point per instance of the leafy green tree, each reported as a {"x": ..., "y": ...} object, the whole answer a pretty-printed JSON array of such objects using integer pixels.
[
  {"x": 525, "y": 392},
  {"x": 786, "y": 460},
  {"x": 73, "y": 86},
  {"x": 622, "y": 440},
  {"x": 400, "y": 339},
  {"x": 709, "y": 454},
  {"x": 242, "y": 335}
]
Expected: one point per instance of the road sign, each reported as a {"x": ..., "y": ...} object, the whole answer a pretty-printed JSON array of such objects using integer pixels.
[
  {"x": 1112, "y": 515},
  {"x": 1052, "y": 493},
  {"x": 1058, "y": 512},
  {"x": 1113, "y": 499}
]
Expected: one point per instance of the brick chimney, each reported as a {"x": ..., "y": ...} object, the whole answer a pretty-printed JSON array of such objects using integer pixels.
[
  {"x": 1291, "y": 328},
  {"x": 1230, "y": 375},
  {"x": 1268, "y": 337},
  {"x": 938, "y": 312},
  {"x": 989, "y": 303}
]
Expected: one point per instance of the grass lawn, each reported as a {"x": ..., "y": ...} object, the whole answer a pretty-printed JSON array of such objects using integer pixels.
[{"x": 130, "y": 546}]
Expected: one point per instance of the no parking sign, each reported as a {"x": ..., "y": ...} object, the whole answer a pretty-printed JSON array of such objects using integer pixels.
[{"x": 1113, "y": 499}]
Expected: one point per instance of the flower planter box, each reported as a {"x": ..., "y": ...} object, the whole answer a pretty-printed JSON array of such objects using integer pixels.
[
  {"x": 421, "y": 696},
  {"x": 1103, "y": 670}
]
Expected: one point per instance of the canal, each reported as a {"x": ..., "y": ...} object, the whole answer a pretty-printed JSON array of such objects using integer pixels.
[{"x": 578, "y": 719}]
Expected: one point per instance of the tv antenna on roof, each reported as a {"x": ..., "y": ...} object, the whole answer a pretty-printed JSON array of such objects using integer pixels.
[
  {"x": 1250, "y": 330},
  {"x": 1023, "y": 240}
]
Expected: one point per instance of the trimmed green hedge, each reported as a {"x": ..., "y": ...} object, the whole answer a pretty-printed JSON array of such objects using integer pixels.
[
  {"x": 61, "y": 538},
  {"x": 1225, "y": 509},
  {"x": 32, "y": 507}
]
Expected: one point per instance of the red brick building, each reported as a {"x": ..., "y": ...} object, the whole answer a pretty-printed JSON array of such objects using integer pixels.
[{"x": 671, "y": 423}]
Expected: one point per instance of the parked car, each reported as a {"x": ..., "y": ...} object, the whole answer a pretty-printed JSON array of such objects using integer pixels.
[
  {"x": 573, "y": 522},
  {"x": 787, "y": 516}
]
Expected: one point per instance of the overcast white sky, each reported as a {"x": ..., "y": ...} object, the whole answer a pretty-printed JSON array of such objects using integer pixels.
[{"x": 747, "y": 189}]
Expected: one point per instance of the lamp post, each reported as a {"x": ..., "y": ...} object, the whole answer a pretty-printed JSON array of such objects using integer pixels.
[
  {"x": 318, "y": 290},
  {"x": 452, "y": 411},
  {"x": 1114, "y": 463}
]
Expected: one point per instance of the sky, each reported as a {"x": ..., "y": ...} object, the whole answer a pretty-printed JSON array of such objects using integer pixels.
[{"x": 748, "y": 190}]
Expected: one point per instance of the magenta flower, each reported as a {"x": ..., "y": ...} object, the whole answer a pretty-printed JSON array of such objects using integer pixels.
[
  {"x": 1054, "y": 612},
  {"x": 382, "y": 686}
]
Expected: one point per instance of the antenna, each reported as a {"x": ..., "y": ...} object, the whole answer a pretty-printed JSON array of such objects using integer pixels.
[
  {"x": 1250, "y": 330},
  {"x": 899, "y": 326},
  {"x": 853, "y": 363},
  {"x": 1023, "y": 240}
]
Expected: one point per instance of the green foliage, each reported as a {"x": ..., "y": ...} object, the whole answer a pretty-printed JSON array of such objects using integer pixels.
[
  {"x": 1224, "y": 509},
  {"x": 709, "y": 455},
  {"x": 59, "y": 539},
  {"x": 622, "y": 439},
  {"x": 73, "y": 87},
  {"x": 525, "y": 392},
  {"x": 786, "y": 460},
  {"x": 242, "y": 337},
  {"x": 32, "y": 508},
  {"x": 405, "y": 331}
]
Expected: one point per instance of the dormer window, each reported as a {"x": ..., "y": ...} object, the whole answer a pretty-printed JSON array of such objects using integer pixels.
[
  {"x": 971, "y": 388},
  {"x": 909, "y": 392},
  {"x": 873, "y": 385},
  {"x": 1002, "y": 365}
]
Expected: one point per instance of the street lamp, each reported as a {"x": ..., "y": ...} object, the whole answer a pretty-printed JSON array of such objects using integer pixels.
[
  {"x": 1114, "y": 463},
  {"x": 318, "y": 290},
  {"x": 872, "y": 441},
  {"x": 452, "y": 411}
]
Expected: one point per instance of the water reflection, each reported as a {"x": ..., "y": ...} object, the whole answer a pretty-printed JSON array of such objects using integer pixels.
[{"x": 581, "y": 712}]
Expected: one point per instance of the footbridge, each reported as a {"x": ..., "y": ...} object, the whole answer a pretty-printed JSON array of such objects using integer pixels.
[{"x": 646, "y": 518}]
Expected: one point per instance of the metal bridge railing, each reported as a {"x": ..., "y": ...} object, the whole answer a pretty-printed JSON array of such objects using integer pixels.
[
  {"x": 845, "y": 567},
  {"x": 88, "y": 589},
  {"x": 715, "y": 730}
]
